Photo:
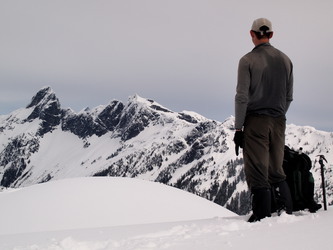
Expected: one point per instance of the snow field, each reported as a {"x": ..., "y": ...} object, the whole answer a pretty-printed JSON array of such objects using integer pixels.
[{"x": 100, "y": 213}]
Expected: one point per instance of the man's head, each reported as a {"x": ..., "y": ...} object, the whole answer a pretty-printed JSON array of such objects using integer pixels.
[{"x": 261, "y": 31}]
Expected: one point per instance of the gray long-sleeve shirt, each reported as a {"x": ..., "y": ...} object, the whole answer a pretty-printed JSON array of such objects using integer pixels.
[{"x": 264, "y": 85}]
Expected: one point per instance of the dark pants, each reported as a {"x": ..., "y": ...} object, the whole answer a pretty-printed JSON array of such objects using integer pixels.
[{"x": 264, "y": 139}]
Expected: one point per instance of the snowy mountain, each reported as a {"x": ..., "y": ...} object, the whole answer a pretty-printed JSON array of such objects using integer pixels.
[
  {"x": 138, "y": 139},
  {"x": 130, "y": 214}
]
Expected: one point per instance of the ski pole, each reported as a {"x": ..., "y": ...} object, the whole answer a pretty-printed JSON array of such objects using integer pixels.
[{"x": 321, "y": 162}]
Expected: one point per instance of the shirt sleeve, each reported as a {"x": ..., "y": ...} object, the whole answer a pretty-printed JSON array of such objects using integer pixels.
[
  {"x": 290, "y": 87},
  {"x": 242, "y": 92}
]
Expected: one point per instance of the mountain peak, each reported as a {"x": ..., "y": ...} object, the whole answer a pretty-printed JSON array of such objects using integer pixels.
[
  {"x": 43, "y": 96},
  {"x": 46, "y": 107},
  {"x": 138, "y": 99},
  {"x": 141, "y": 101}
]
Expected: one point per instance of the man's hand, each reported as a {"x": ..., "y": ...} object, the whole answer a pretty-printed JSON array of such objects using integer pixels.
[{"x": 239, "y": 140}]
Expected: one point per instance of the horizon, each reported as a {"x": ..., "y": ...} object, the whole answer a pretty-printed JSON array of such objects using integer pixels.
[{"x": 129, "y": 97}]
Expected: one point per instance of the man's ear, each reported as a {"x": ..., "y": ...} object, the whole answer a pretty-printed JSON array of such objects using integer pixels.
[
  {"x": 270, "y": 35},
  {"x": 252, "y": 33}
]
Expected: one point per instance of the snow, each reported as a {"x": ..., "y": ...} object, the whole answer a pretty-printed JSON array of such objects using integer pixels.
[{"x": 101, "y": 213}]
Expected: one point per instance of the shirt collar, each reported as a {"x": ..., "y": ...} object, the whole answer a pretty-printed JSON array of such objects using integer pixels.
[{"x": 262, "y": 44}]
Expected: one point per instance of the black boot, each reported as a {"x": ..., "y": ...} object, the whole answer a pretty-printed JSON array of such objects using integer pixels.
[
  {"x": 261, "y": 204},
  {"x": 283, "y": 197},
  {"x": 313, "y": 207}
]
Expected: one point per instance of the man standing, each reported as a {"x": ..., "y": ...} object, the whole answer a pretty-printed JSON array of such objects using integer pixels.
[{"x": 263, "y": 95}]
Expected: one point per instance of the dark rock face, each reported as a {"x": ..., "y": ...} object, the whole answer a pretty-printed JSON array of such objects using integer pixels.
[
  {"x": 110, "y": 116},
  {"x": 46, "y": 107},
  {"x": 82, "y": 125},
  {"x": 15, "y": 157},
  {"x": 134, "y": 120},
  {"x": 86, "y": 124},
  {"x": 42, "y": 97}
]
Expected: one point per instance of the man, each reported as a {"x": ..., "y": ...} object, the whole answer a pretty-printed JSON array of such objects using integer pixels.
[{"x": 263, "y": 95}]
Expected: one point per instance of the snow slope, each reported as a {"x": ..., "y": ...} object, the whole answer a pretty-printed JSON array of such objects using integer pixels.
[
  {"x": 121, "y": 213},
  {"x": 99, "y": 202}
]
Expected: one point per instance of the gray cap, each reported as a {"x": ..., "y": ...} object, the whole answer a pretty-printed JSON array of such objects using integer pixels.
[{"x": 260, "y": 22}]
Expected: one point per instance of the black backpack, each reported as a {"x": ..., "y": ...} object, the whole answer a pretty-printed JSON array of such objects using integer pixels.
[{"x": 300, "y": 180}]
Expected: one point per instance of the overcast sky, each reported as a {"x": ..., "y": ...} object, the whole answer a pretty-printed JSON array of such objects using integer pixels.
[{"x": 181, "y": 53}]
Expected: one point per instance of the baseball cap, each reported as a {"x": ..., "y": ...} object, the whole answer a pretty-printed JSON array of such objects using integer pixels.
[{"x": 259, "y": 23}]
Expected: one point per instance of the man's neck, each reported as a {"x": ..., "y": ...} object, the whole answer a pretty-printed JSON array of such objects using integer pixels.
[{"x": 261, "y": 41}]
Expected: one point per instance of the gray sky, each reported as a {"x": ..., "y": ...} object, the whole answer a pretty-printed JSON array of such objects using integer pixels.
[{"x": 181, "y": 53}]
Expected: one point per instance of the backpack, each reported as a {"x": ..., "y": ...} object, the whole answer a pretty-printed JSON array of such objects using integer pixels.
[{"x": 296, "y": 166}]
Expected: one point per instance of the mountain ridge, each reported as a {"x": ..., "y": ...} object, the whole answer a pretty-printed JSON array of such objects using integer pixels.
[{"x": 138, "y": 139}]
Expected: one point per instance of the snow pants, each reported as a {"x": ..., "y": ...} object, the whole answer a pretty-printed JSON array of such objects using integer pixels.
[{"x": 264, "y": 140}]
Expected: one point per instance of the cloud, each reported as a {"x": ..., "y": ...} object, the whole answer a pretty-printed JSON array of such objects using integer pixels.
[{"x": 183, "y": 54}]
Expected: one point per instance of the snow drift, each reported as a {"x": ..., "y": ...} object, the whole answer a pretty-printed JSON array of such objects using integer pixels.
[
  {"x": 94, "y": 202},
  {"x": 130, "y": 214}
]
